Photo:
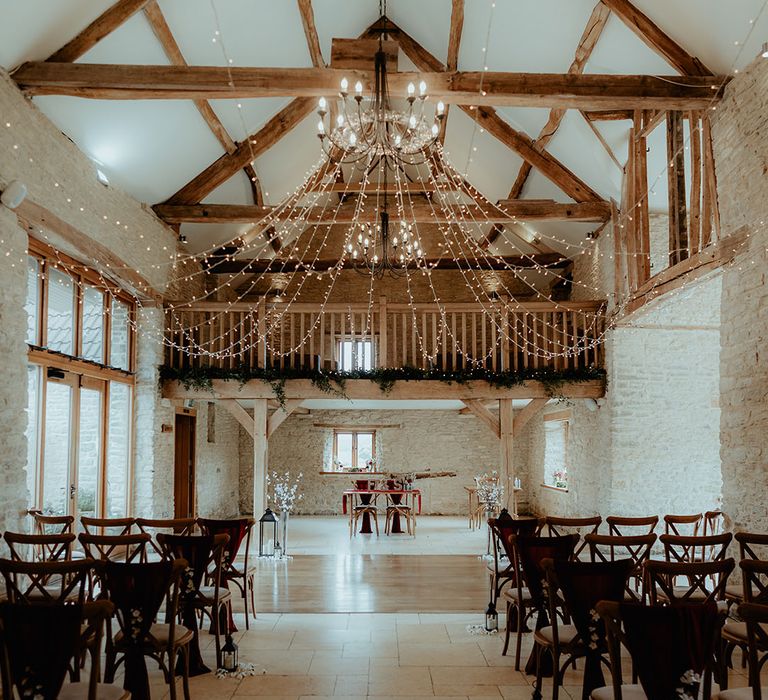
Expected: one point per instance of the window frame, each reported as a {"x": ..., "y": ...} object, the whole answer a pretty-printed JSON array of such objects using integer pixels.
[
  {"x": 355, "y": 434},
  {"x": 563, "y": 417},
  {"x": 81, "y": 373},
  {"x": 354, "y": 340}
]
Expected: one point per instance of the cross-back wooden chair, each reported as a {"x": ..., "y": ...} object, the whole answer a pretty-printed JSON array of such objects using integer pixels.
[
  {"x": 138, "y": 591},
  {"x": 119, "y": 548},
  {"x": 752, "y": 545},
  {"x": 755, "y": 617},
  {"x": 672, "y": 649},
  {"x": 170, "y": 526},
  {"x": 240, "y": 573},
  {"x": 555, "y": 527},
  {"x": 528, "y": 595},
  {"x": 682, "y": 524},
  {"x": 107, "y": 526},
  {"x": 204, "y": 555},
  {"x": 577, "y": 587},
  {"x": 661, "y": 577},
  {"x": 636, "y": 548},
  {"x": 713, "y": 522},
  {"x": 502, "y": 569},
  {"x": 24, "y": 547},
  {"x": 620, "y": 526},
  {"x": 754, "y": 574},
  {"x": 31, "y": 583},
  {"x": 38, "y": 644},
  {"x": 52, "y": 524},
  {"x": 690, "y": 548}
]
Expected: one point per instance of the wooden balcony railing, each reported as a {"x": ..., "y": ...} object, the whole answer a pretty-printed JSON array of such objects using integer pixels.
[{"x": 515, "y": 336}]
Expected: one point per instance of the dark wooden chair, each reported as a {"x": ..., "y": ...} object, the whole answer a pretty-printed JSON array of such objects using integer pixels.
[
  {"x": 107, "y": 526},
  {"x": 38, "y": 644},
  {"x": 577, "y": 587},
  {"x": 122, "y": 548},
  {"x": 672, "y": 649},
  {"x": 238, "y": 572},
  {"x": 682, "y": 524},
  {"x": 752, "y": 545},
  {"x": 170, "y": 526},
  {"x": 620, "y": 526},
  {"x": 502, "y": 570},
  {"x": 24, "y": 547},
  {"x": 52, "y": 524},
  {"x": 555, "y": 526},
  {"x": 38, "y": 582},
  {"x": 685, "y": 548},
  {"x": 661, "y": 577},
  {"x": 528, "y": 595},
  {"x": 636, "y": 548},
  {"x": 138, "y": 591},
  {"x": 755, "y": 617}
]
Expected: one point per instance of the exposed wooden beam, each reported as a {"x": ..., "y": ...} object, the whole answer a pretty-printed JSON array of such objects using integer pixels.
[
  {"x": 242, "y": 416},
  {"x": 104, "y": 24},
  {"x": 490, "y": 262},
  {"x": 351, "y": 189},
  {"x": 601, "y": 115},
  {"x": 525, "y": 414},
  {"x": 602, "y": 141},
  {"x": 508, "y": 211},
  {"x": 359, "y": 54},
  {"x": 586, "y": 45},
  {"x": 147, "y": 82},
  {"x": 454, "y": 36},
  {"x": 656, "y": 38},
  {"x": 310, "y": 31},
  {"x": 258, "y": 143},
  {"x": 678, "y": 215},
  {"x": 282, "y": 412},
  {"x": 478, "y": 409}
]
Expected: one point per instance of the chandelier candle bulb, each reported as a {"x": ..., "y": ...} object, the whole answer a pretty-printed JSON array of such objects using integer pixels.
[
  {"x": 344, "y": 86},
  {"x": 359, "y": 88},
  {"x": 423, "y": 89},
  {"x": 322, "y": 105}
]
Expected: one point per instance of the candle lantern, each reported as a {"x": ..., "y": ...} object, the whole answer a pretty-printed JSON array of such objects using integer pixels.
[
  {"x": 267, "y": 533},
  {"x": 491, "y": 618},
  {"x": 229, "y": 660}
]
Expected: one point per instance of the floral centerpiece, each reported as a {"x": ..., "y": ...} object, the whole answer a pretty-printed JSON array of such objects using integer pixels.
[
  {"x": 560, "y": 478},
  {"x": 284, "y": 495},
  {"x": 489, "y": 491}
]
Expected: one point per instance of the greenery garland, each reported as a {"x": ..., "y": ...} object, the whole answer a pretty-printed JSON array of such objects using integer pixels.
[{"x": 333, "y": 382}]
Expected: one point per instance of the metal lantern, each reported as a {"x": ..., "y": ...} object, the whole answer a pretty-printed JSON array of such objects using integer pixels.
[
  {"x": 491, "y": 618},
  {"x": 267, "y": 533},
  {"x": 229, "y": 660}
]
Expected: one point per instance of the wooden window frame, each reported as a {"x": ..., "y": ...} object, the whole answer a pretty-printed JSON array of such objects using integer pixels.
[
  {"x": 565, "y": 418},
  {"x": 354, "y": 433},
  {"x": 354, "y": 340}
]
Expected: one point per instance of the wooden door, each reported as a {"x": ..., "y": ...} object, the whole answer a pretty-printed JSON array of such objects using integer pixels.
[{"x": 184, "y": 467}]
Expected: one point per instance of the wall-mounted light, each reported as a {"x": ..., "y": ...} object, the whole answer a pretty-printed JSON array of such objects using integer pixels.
[
  {"x": 14, "y": 194},
  {"x": 101, "y": 177},
  {"x": 764, "y": 50}
]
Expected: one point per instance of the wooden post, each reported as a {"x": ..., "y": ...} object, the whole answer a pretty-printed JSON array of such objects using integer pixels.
[
  {"x": 640, "y": 214},
  {"x": 506, "y": 430},
  {"x": 678, "y": 227},
  {"x": 259, "y": 457},
  {"x": 382, "y": 359}
]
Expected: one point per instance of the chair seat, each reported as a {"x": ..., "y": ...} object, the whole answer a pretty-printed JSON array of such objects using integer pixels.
[
  {"x": 104, "y": 691},
  {"x": 239, "y": 572},
  {"x": 207, "y": 593},
  {"x": 737, "y": 631},
  {"x": 739, "y": 694},
  {"x": 566, "y": 633},
  {"x": 628, "y": 692},
  {"x": 161, "y": 632},
  {"x": 511, "y": 594}
]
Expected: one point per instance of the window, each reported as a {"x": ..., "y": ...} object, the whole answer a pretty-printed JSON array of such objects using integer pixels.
[
  {"x": 355, "y": 355},
  {"x": 80, "y": 414},
  {"x": 354, "y": 449},
  {"x": 556, "y": 453}
]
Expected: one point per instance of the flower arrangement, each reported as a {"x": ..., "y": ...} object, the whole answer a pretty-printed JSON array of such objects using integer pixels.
[
  {"x": 285, "y": 492},
  {"x": 560, "y": 478},
  {"x": 489, "y": 490}
]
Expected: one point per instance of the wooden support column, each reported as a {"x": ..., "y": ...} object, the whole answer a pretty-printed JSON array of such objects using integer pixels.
[
  {"x": 259, "y": 457},
  {"x": 642, "y": 224},
  {"x": 261, "y": 329},
  {"x": 678, "y": 227},
  {"x": 506, "y": 435},
  {"x": 382, "y": 349}
]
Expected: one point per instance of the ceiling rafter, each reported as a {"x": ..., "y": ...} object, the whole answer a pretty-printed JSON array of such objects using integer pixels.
[
  {"x": 454, "y": 43},
  {"x": 104, "y": 24},
  {"x": 310, "y": 31},
  {"x": 652, "y": 35}
]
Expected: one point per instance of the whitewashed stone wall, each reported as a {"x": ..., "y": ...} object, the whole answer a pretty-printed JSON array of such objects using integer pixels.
[
  {"x": 740, "y": 133},
  {"x": 218, "y": 464},
  {"x": 13, "y": 397}
]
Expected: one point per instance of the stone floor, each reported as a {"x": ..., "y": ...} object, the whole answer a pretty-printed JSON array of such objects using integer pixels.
[{"x": 373, "y": 656}]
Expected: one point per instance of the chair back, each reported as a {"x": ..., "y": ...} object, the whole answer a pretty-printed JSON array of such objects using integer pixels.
[
  {"x": 530, "y": 551},
  {"x": 238, "y": 529},
  {"x": 682, "y": 524},
  {"x": 107, "y": 526},
  {"x": 39, "y": 547},
  {"x": 755, "y": 579},
  {"x": 171, "y": 526},
  {"x": 752, "y": 545},
  {"x": 204, "y": 555},
  {"x": 555, "y": 526},
  {"x": 635, "y": 548},
  {"x": 37, "y": 644},
  {"x": 683, "y": 548},
  {"x": 32, "y": 583},
  {"x": 125, "y": 548},
  {"x": 661, "y": 576},
  {"x": 620, "y": 526},
  {"x": 714, "y": 522},
  {"x": 756, "y": 618},
  {"x": 52, "y": 524},
  {"x": 503, "y": 528},
  {"x": 672, "y": 648}
]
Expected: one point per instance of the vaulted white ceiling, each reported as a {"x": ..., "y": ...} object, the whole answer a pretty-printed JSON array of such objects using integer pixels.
[{"x": 151, "y": 148}]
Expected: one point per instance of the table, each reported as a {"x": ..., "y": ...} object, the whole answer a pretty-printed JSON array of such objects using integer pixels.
[{"x": 368, "y": 495}]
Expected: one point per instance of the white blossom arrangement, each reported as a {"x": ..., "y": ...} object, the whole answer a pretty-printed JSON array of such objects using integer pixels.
[
  {"x": 489, "y": 490},
  {"x": 285, "y": 492}
]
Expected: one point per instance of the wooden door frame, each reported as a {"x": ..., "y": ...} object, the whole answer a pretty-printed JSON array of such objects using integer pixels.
[{"x": 187, "y": 413}]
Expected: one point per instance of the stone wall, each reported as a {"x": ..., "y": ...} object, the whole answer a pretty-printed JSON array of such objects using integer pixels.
[
  {"x": 218, "y": 463},
  {"x": 740, "y": 128}
]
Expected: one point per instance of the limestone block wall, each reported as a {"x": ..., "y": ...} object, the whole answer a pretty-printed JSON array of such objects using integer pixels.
[
  {"x": 218, "y": 465},
  {"x": 740, "y": 133}
]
